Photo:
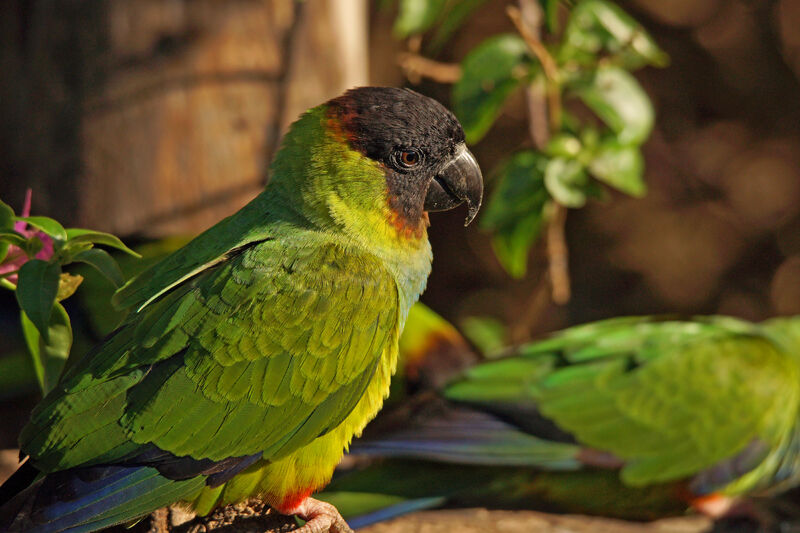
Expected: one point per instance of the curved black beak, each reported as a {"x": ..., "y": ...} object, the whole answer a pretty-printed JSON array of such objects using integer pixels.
[{"x": 458, "y": 182}]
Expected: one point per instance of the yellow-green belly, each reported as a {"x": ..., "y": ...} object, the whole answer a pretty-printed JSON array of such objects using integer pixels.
[{"x": 286, "y": 481}]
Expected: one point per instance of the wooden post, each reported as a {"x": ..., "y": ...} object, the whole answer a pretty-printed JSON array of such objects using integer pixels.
[{"x": 161, "y": 116}]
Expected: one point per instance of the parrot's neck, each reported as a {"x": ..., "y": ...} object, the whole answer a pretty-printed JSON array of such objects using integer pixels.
[{"x": 320, "y": 180}]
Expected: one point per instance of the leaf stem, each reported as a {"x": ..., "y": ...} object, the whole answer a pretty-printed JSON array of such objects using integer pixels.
[
  {"x": 558, "y": 254},
  {"x": 528, "y": 19},
  {"x": 548, "y": 65}
]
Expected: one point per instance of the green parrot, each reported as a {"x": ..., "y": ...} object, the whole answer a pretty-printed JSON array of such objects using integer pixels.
[
  {"x": 253, "y": 355},
  {"x": 635, "y": 418}
]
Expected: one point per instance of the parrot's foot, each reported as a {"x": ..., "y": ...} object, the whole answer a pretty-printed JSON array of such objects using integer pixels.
[{"x": 320, "y": 517}]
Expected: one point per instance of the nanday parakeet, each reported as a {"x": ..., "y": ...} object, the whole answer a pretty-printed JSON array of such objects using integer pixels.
[
  {"x": 633, "y": 417},
  {"x": 254, "y": 354}
]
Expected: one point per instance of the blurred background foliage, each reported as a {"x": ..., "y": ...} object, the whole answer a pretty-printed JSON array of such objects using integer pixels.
[
  {"x": 155, "y": 119},
  {"x": 718, "y": 229}
]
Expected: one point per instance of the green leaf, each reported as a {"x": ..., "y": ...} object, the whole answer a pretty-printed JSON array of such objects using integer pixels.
[
  {"x": 621, "y": 167},
  {"x": 37, "y": 287},
  {"x": 67, "y": 285},
  {"x": 32, "y": 246},
  {"x": 32, "y": 338},
  {"x": 491, "y": 72},
  {"x": 79, "y": 235},
  {"x": 618, "y": 99},
  {"x": 550, "y": 10},
  {"x": 47, "y": 225},
  {"x": 71, "y": 249},
  {"x": 596, "y": 26},
  {"x": 13, "y": 237},
  {"x": 48, "y": 355},
  {"x": 416, "y": 16},
  {"x": 6, "y": 226},
  {"x": 515, "y": 210},
  {"x": 488, "y": 334},
  {"x": 103, "y": 262},
  {"x": 566, "y": 181},
  {"x": 6, "y": 217},
  {"x": 564, "y": 145}
]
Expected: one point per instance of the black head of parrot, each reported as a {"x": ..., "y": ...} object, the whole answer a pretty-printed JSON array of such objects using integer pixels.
[{"x": 419, "y": 144}]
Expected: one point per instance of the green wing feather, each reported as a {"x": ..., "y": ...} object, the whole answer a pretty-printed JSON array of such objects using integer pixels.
[
  {"x": 207, "y": 249},
  {"x": 262, "y": 351},
  {"x": 679, "y": 414},
  {"x": 670, "y": 398}
]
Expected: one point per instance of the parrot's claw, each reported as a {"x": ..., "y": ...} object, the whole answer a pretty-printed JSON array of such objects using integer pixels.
[{"x": 321, "y": 517}]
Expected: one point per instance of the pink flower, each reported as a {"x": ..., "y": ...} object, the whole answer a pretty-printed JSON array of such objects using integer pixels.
[{"x": 17, "y": 257}]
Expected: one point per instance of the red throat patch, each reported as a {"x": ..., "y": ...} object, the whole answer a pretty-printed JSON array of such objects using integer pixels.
[{"x": 404, "y": 227}]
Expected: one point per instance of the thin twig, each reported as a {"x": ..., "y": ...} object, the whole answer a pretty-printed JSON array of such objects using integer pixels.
[
  {"x": 532, "y": 312},
  {"x": 414, "y": 43},
  {"x": 531, "y": 16},
  {"x": 544, "y": 116},
  {"x": 538, "y": 128},
  {"x": 548, "y": 65},
  {"x": 413, "y": 46},
  {"x": 558, "y": 254},
  {"x": 416, "y": 67}
]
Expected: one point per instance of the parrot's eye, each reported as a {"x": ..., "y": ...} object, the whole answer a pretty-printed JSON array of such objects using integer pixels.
[{"x": 407, "y": 158}]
